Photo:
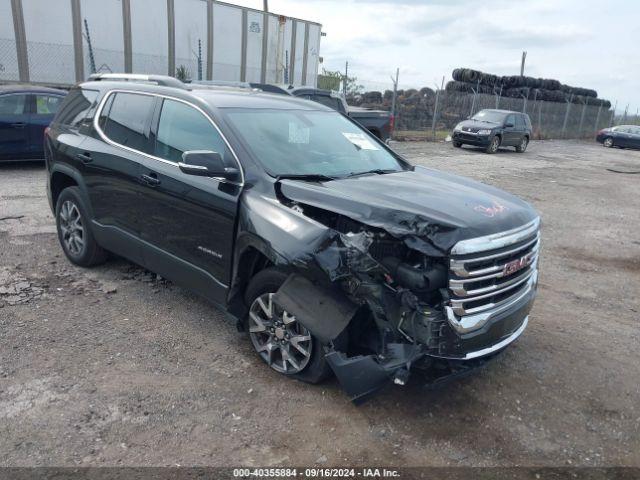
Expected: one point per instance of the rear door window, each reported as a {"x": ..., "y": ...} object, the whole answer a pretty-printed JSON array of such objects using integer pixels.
[
  {"x": 127, "y": 122},
  {"x": 13, "y": 104},
  {"x": 79, "y": 105},
  {"x": 182, "y": 128},
  {"x": 47, "y": 104}
]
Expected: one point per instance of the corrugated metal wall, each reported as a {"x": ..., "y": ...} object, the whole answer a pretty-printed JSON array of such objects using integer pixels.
[{"x": 45, "y": 42}]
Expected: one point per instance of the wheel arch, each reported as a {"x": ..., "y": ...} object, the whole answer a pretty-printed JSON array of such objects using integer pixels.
[{"x": 63, "y": 177}]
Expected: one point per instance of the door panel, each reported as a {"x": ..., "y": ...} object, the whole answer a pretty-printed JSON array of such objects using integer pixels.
[
  {"x": 189, "y": 220},
  {"x": 510, "y": 134},
  {"x": 112, "y": 168},
  {"x": 14, "y": 133}
]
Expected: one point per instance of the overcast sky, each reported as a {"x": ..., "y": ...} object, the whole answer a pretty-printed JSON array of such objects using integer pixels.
[{"x": 591, "y": 44}]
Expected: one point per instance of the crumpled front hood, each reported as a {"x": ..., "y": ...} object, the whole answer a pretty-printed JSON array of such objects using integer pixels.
[
  {"x": 431, "y": 210},
  {"x": 474, "y": 126}
]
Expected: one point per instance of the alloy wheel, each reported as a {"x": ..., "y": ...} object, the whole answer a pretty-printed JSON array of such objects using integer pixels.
[
  {"x": 608, "y": 142},
  {"x": 282, "y": 342},
  {"x": 72, "y": 228},
  {"x": 523, "y": 144},
  {"x": 495, "y": 143}
]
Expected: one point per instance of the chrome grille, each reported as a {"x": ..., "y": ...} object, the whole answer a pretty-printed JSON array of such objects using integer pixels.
[{"x": 489, "y": 274}]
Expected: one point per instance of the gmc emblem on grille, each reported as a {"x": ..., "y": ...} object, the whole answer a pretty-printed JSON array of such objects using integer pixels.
[{"x": 515, "y": 265}]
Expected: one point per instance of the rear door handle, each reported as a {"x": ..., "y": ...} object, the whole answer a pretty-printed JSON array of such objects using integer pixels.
[
  {"x": 19, "y": 125},
  {"x": 151, "y": 179},
  {"x": 84, "y": 158}
]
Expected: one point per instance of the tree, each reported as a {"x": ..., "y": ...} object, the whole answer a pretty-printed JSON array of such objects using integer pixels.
[
  {"x": 182, "y": 73},
  {"x": 332, "y": 79}
]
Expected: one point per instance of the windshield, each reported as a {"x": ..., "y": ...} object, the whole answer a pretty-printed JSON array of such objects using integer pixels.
[
  {"x": 489, "y": 116},
  {"x": 301, "y": 142}
]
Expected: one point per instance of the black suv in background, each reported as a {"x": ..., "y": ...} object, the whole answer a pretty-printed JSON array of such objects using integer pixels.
[
  {"x": 492, "y": 129},
  {"x": 333, "y": 252}
]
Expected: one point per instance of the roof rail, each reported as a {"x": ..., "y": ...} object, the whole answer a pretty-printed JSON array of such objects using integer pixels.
[
  {"x": 220, "y": 83},
  {"x": 160, "y": 80}
]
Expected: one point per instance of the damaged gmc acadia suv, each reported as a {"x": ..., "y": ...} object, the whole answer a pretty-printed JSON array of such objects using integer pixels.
[{"x": 333, "y": 252}]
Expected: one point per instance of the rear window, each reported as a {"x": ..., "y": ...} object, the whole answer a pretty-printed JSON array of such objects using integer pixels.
[
  {"x": 78, "y": 106},
  {"x": 127, "y": 121}
]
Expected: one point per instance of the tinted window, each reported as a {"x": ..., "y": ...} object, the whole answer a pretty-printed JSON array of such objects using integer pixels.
[
  {"x": 12, "y": 104},
  {"x": 47, "y": 104},
  {"x": 330, "y": 102},
  {"x": 127, "y": 120},
  {"x": 510, "y": 119},
  {"x": 76, "y": 107},
  {"x": 184, "y": 128},
  {"x": 520, "y": 122}
]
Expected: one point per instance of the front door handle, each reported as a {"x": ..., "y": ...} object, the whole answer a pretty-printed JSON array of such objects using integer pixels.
[
  {"x": 151, "y": 179},
  {"x": 84, "y": 158},
  {"x": 19, "y": 125}
]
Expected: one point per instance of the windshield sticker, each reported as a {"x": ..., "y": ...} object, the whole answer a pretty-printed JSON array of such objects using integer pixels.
[
  {"x": 360, "y": 141},
  {"x": 298, "y": 133}
]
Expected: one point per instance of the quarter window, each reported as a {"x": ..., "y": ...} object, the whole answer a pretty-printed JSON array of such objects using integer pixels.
[
  {"x": 47, "y": 104},
  {"x": 127, "y": 121},
  {"x": 183, "y": 128},
  {"x": 12, "y": 104},
  {"x": 77, "y": 107}
]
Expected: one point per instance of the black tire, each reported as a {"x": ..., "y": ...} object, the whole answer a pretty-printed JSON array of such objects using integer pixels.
[
  {"x": 269, "y": 281},
  {"x": 457, "y": 144},
  {"x": 88, "y": 253},
  {"x": 523, "y": 145},
  {"x": 608, "y": 142},
  {"x": 493, "y": 145}
]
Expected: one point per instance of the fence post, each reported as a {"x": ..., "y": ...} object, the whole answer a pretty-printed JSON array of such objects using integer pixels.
[
  {"x": 435, "y": 111},
  {"x": 566, "y": 115},
  {"x": 613, "y": 114},
  {"x": 393, "y": 99},
  {"x": 598, "y": 117},
  {"x": 584, "y": 108},
  {"x": 498, "y": 97}
]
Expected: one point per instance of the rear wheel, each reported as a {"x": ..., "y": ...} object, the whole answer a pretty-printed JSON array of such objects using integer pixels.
[
  {"x": 608, "y": 142},
  {"x": 493, "y": 145},
  {"x": 523, "y": 145},
  {"x": 282, "y": 342},
  {"x": 74, "y": 232}
]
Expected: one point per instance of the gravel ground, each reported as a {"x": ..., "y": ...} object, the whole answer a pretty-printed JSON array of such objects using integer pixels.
[{"x": 113, "y": 366}]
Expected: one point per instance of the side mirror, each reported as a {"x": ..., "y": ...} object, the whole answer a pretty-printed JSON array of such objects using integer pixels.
[
  {"x": 205, "y": 163},
  {"x": 508, "y": 125}
]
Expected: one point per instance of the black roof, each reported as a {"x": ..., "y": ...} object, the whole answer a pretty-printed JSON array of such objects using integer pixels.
[{"x": 223, "y": 97}]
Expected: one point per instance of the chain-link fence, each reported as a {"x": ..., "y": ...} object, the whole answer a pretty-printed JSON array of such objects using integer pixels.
[{"x": 432, "y": 114}]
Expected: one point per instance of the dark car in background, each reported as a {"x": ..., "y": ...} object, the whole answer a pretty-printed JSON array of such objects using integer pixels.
[
  {"x": 25, "y": 111},
  {"x": 623, "y": 136},
  {"x": 492, "y": 129}
]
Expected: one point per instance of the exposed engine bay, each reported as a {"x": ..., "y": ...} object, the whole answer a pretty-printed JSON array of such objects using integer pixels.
[{"x": 372, "y": 282}]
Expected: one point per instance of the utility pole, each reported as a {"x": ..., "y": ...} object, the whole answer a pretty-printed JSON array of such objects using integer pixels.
[
  {"x": 92, "y": 60},
  {"x": 344, "y": 81},
  {"x": 524, "y": 57},
  {"x": 435, "y": 109},
  {"x": 395, "y": 92},
  {"x": 265, "y": 4}
]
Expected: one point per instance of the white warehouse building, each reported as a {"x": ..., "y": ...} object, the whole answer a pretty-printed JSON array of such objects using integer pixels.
[{"x": 61, "y": 42}]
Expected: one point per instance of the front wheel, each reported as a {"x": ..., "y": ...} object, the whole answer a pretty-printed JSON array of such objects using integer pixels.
[
  {"x": 457, "y": 144},
  {"x": 282, "y": 342},
  {"x": 608, "y": 142},
  {"x": 523, "y": 145},
  {"x": 493, "y": 145}
]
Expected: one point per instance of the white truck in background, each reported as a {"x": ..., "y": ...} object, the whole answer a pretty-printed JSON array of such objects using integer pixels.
[{"x": 62, "y": 42}]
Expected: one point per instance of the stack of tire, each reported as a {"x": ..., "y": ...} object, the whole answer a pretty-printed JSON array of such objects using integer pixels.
[{"x": 467, "y": 80}]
